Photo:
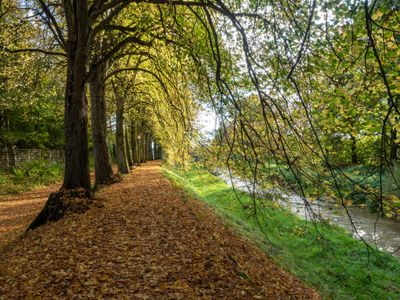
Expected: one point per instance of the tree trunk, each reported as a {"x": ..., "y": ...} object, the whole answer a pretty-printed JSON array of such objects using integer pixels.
[
  {"x": 102, "y": 162},
  {"x": 155, "y": 150},
  {"x": 140, "y": 148},
  {"x": 128, "y": 151},
  {"x": 159, "y": 152},
  {"x": 140, "y": 143},
  {"x": 144, "y": 147},
  {"x": 354, "y": 158},
  {"x": 149, "y": 148},
  {"x": 76, "y": 174},
  {"x": 134, "y": 143},
  {"x": 119, "y": 135}
]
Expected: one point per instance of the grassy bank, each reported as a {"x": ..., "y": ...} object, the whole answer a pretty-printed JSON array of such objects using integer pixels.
[
  {"x": 334, "y": 263},
  {"x": 28, "y": 176}
]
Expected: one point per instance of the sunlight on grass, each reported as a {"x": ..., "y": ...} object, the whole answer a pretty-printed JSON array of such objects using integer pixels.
[{"x": 331, "y": 261}]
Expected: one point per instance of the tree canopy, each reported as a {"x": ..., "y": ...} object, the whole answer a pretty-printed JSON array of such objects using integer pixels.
[{"x": 306, "y": 93}]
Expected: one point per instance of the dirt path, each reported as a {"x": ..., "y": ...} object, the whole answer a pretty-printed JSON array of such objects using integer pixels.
[{"x": 145, "y": 243}]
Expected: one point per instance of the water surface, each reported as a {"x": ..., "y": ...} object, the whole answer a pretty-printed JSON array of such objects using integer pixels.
[{"x": 383, "y": 233}]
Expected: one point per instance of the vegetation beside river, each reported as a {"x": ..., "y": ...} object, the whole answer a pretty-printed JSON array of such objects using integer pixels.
[{"x": 323, "y": 256}]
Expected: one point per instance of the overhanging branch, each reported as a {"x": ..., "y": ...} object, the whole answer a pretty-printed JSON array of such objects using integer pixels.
[{"x": 47, "y": 52}]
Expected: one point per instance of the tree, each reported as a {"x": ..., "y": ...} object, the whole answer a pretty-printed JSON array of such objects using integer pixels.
[
  {"x": 103, "y": 169},
  {"x": 30, "y": 87}
]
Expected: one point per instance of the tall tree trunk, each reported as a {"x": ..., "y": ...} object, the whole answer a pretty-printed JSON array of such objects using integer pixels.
[
  {"x": 128, "y": 151},
  {"x": 134, "y": 142},
  {"x": 121, "y": 154},
  {"x": 76, "y": 174},
  {"x": 140, "y": 148},
  {"x": 144, "y": 147},
  {"x": 140, "y": 142},
  {"x": 354, "y": 158},
  {"x": 155, "y": 150},
  {"x": 119, "y": 135},
  {"x": 102, "y": 162},
  {"x": 149, "y": 148},
  {"x": 159, "y": 152}
]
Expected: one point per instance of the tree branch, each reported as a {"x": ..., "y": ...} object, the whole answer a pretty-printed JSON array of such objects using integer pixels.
[
  {"x": 33, "y": 50},
  {"x": 53, "y": 22},
  {"x": 116, "y": 48}
]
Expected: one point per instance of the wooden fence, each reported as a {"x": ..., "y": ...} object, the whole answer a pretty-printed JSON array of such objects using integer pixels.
[{"x": 7, "y": 158}]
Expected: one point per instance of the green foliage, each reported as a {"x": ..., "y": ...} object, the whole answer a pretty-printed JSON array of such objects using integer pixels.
[
  {"x": 31, "y": 87},
  {"x": 330, "y": 260},
  {"x": 29, "y": 175}
]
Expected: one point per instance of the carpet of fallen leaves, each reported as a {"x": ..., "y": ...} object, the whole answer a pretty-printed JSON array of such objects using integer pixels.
[
  {"x": 143, "y": 242},
  {"x": 16, "y": 212}
]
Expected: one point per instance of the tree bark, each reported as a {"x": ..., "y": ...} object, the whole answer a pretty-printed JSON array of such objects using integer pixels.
[
  {"x": 102, "y": 161},
  {"x": 140, "y": 148},
  {"x": 140, "y": 143},
  {"x": 149, "y": 148},
  {"x": 128, "y": 151},
  {"x": 155, "y": 150},
  {"x": 76, "y": 173},
  {"x": 159, "y": 152},
  {"x": 119, "y": 135},
  {"x": 134, "y": 143},
  {"x": 144, "y": 147}
]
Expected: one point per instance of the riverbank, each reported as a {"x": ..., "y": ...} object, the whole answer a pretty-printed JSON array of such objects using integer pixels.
[
  {"x": 324, "y": 256},
  {"x": 364, "y": 224}
]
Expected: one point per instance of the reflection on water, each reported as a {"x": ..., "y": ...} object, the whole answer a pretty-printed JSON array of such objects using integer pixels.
[{"x": 383, "y": 233}]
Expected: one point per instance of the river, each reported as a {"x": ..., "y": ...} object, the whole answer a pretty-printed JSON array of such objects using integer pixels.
[{"x": 384, "y": 233}]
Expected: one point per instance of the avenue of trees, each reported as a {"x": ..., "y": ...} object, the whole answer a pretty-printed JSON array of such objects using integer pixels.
[{"x": 306, "y": 92}]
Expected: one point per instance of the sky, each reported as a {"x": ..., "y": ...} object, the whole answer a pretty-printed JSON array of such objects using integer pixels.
[{"x": 207, "y": 121}]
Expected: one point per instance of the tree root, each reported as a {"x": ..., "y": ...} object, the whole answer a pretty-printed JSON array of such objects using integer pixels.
[{"x": 61, "y": 202}]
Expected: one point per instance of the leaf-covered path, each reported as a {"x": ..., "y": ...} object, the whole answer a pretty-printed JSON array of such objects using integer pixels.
[
  {"x": 17, "y": 211},
  {"x": 145, "y": 243}
]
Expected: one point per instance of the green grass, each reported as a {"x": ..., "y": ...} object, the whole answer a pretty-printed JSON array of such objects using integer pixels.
[
  {"x": 333, "y": 262},
  {"x": 28, "y": 176}
]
